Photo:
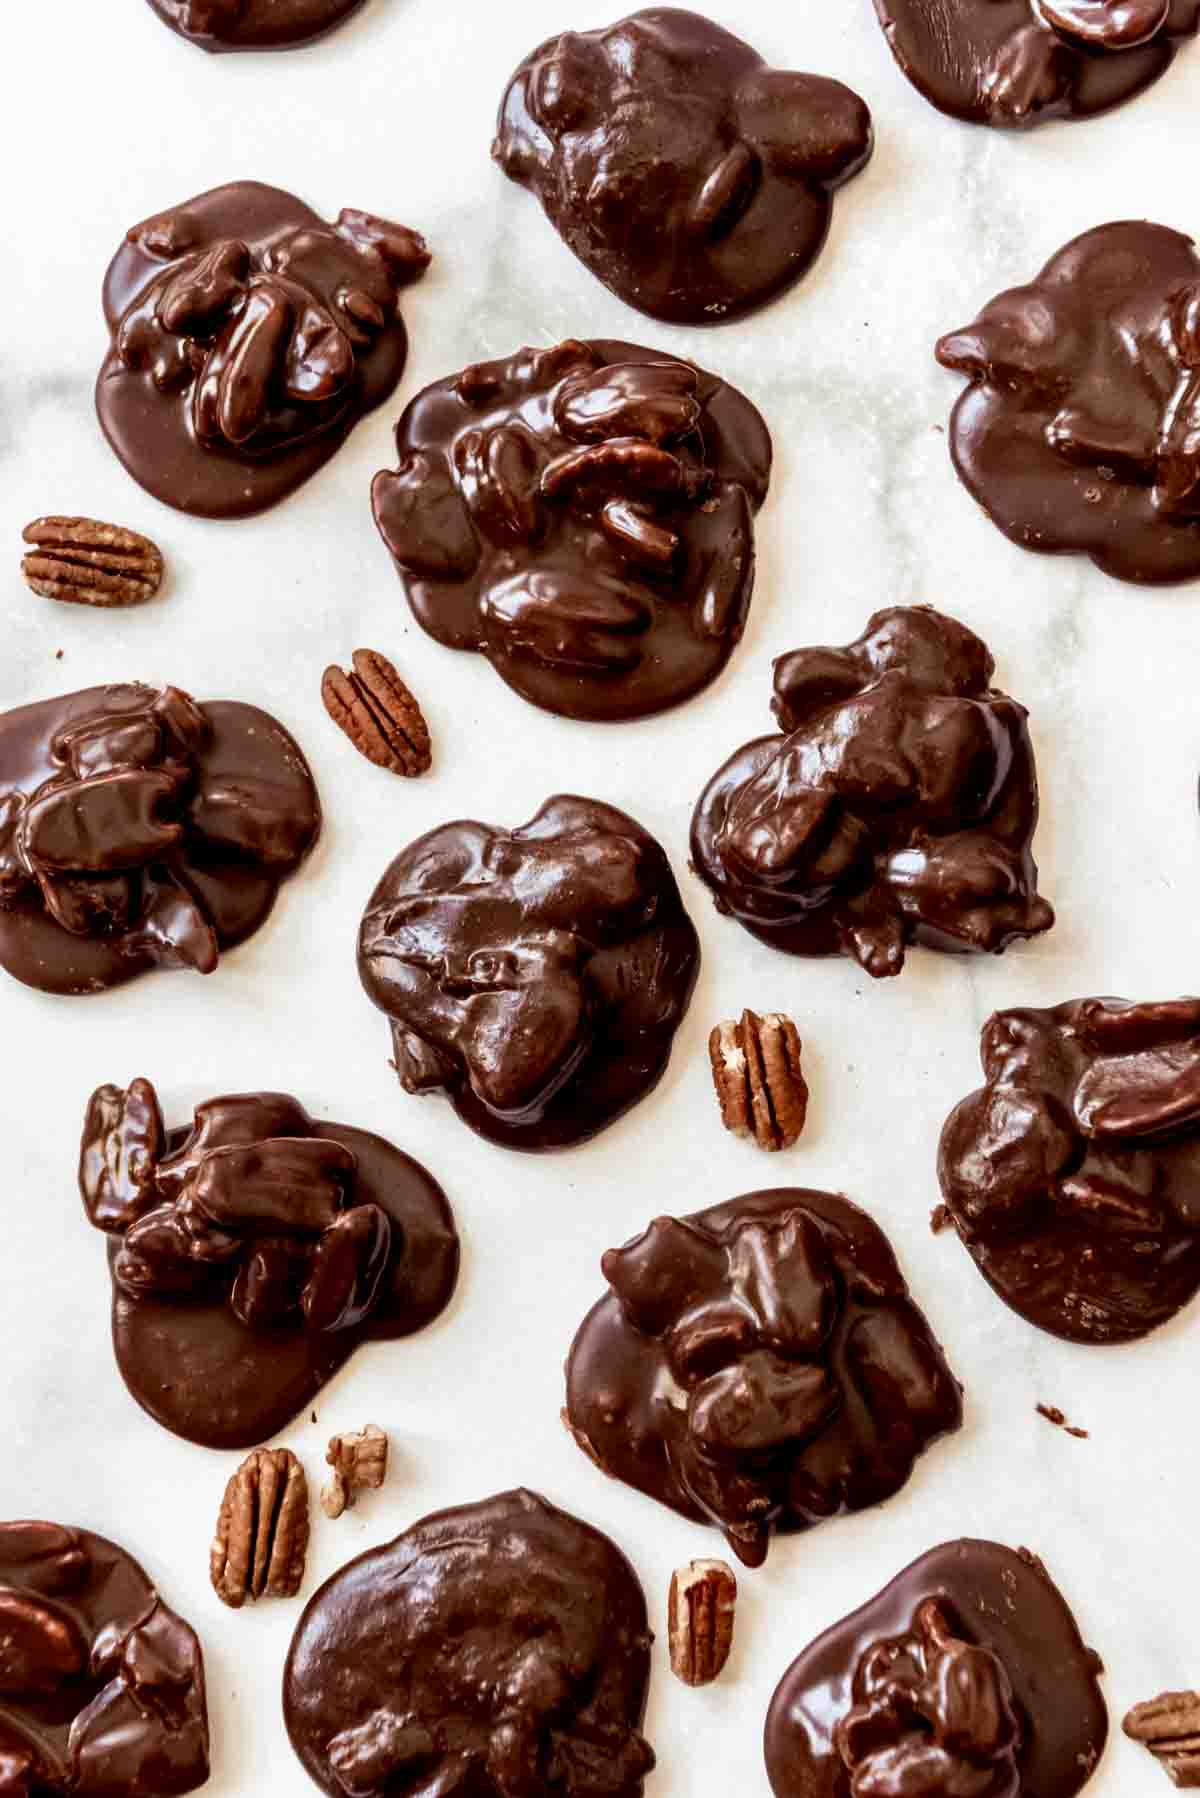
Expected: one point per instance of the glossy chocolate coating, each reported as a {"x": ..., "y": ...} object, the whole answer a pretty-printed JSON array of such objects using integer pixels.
[
  {"x": 1080, "y": 429},
  {"x": 693, "y": 180},
  {"x": 1073, "y": 1175},
  {"x": 899, "y": 805},
  {"x": 537, "y": 976},
  {"x": 141, "y": 830},
  {"x": 1019, "y": 62},
  {"x": 759, "y": 1366},
  {"x": 253, "y": 24},
  {"x": 101, "y": 1686},
  {"x": 252, "y": 1254},
  {"x": 582, "y": 516},
  {"x": 496, "y": 1648},
  {"x": 965, "y": 1675},
  {"x": 248, "y": 339}
]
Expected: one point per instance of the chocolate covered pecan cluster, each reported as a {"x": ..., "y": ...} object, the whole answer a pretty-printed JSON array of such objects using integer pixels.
[
  {"x": 932, "y": 1714},
  {"x": 583, "y": 516},
  {"x": 253, "y": 24},
  {"x": 759, "y": 1365},
  {"x": 139, "y": 829},
  {"x": 899, "y": 805},
  {"x": 1073, "y": 1175}
]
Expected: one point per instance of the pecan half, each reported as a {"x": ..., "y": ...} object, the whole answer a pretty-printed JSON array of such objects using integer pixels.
[
  {"x": 377, "y": 712},
  {"x": 261, "y": 1542},
  {"x": 359, "y": 1463},
  {"x": 756, "y": 1071},
  {"x": 1169, "y": 1726},
  {"x": 88, "y": 563},
  {"x": 700, "y": 1620}
]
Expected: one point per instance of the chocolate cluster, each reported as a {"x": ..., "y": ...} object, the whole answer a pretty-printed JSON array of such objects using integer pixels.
[
  {"x": 253, "y": 24},
  {"x": 898, "y": 806},
  {"x": 582, "y": 516}
]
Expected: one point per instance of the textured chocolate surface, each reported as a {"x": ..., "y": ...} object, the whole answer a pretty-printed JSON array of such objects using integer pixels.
[
  {"x": 252, "y": 1254},
  {"x": 248, "y": 339},
  {"x": 1080, "y": 429},
  {"x": 690, "y": 178},
  {"x": 141, "y": 830},
  {"x": 582, "y": 516},
  {"x": 495, "y": 1649},
  {"x": 537, "y": 976},
  {"x": 898, "y": 806},
  {"x": 101, "y": 1686},
  {"x": 1019, "y": 62},
  {"x": 253, "y": 24},
  {"x": 1073, "y": 1175},
  {"x": 966, "y": 1677},
  {"x": 759, "y": 1366}
]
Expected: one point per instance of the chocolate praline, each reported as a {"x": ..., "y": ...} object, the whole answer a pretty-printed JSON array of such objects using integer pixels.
[
  {"x": 693, "y": 180},
  {"x": 248, "y": 337},
  {"x": 898, "y": 806},
  {"x": 759, "y": 1366},
  {"x": 966, "y": 1674},
  {"x": 252, "y": 1254},
  {"x": 1073, "y": 1175},
  {"x": 496, "y": 1648},
  {"x": 583, "y": 517},
  {"x": 1020, "y": 62},
  {"x": 101, "y": 1685},
  {"x": 536, "y": 976},
  {"x": 1079, "y": 431},
  {"x": 253, "y": 24},
  {"x": 140, "y": 829}
]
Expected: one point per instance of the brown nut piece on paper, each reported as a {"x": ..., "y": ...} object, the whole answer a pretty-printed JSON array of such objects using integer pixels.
[
  {"x": 378, "y": 713},
  {"x": 756, "y": 1071},
  {"x": 88, "y": 563},
  {"x": 1169, "y": 1726},
  {"x": 261, "y": 1542},
  {"x": 700, "y": 1620},
  {"x": 359, "y": 1463}
]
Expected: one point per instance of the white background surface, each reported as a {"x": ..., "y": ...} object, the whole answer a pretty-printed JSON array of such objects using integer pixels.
[{"x": 107, "y": 118}]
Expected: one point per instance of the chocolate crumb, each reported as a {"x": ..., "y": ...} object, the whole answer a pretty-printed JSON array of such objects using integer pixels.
[{"x": 939, "y": 1217}]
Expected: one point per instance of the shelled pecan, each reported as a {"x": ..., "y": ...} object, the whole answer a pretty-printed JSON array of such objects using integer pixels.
[
  {"x": 700, "y": 1620},
  {"x": 1169, "y": 1726},
  {"x": 261, "y": 1543},
  {"x": 359, "y": 1462},
  {"x": 88, "y": 563},
  {"x": 756, "y": 1071},
  {"x": 378, "y": 713}
]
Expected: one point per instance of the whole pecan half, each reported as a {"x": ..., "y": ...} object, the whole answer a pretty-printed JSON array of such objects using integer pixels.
[
  {"x": 700, "y": 1620},
  {"x": 756, "y": 1071},
  {"x": 378, "y": 713},
  {"x": 261, "y": 1543},
  {"x": 1169, "y": 1726},
  {"x": 88, "y": 563}
]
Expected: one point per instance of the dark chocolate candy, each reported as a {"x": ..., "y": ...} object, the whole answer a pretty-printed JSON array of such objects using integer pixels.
[
  {"x": 248, "y": 339},
  {"x": 141, "y": 830},
  {"x": 252, "y": 1254},
  {"x": 537, "y": 976},
  {"x": 1073, "y": 1176},
  {"x": 693, "y": 180},
  {"x": 759, "y": 1366},
  {"x": 1080, "y": 430},
  {"x": 583, "y": 516},
  {"x": 101, "y": 1686},
  {"x": 966, "y": 1677},
  {"x": 497, "y": 1649},
  {"x": 253, "y": 24},
  {"x": 1019, "y": 62},
  {"x": 899, "y": 805}
]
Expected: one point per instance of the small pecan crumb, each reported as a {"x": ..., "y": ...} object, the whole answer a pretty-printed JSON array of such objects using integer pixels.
[
  {"x": 756, "y": 1071},
  {"x": 359, "y": 1463},
  {"x": 90, "y": 564},
  {"x": 1169, "y": 1726},
  {"x": 262, "y": 1531},
  {"x": 939, "y": 1218},
  {"x": 700, "y": 1620},
  {"x": 377, "y": 712},
  {"x": 1053, "y": 1415}
]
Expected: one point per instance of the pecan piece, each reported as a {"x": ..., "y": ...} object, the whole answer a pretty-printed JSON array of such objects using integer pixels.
[
  {"x": 88, "y": 563},
  {"x": 756, "y": 1071},
  {"x": 359, "y": 1463},
  {"x": 1169, "y": 1726},
  {"x": 261, "y": 1542},
  {"x": 700, "y": 1620},
  {"x": 377, "y": 712}
]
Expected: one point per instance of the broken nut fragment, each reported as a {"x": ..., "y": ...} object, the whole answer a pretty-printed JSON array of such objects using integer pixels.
[
  {"x": 359, "y": 1463},
  {"x": 261, "y": 1542},
  {"x": 756, "y": 1071},
  {"x": 377, "y": 712},
  {"x": 1169, "y": 1726},
  {"x": 700, "y": 1620},
  {"x": 88, "y": 563}
]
